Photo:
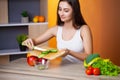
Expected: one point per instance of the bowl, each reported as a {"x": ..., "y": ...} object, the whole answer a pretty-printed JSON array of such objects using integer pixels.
[{"x": 42, "y": 64}]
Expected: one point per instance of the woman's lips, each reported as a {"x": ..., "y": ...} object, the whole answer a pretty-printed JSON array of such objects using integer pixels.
[{"x": 62, "y": 17}]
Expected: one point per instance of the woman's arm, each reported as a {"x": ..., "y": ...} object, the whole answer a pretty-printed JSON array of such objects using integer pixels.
[
  {"x": 45, "y": 36},
  {"x": 42, "y": 38},
  {"x": 87, "y": 43}
]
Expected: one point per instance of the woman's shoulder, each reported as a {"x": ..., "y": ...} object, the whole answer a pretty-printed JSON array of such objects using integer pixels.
[
  {"x": 53, "y": 29},
  {"x": 84, "y": 29}
]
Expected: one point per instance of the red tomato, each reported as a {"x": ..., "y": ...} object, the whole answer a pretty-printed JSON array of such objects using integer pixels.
[
  {"x": 31, "y": 60},
  {"x": 96, "y": 71},
  {"x": 89, "y": 71},
  {"x": 90, "y": 67}
]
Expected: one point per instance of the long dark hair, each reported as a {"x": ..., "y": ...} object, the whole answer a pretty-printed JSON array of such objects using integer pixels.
[{"x": 78, "y": 20}]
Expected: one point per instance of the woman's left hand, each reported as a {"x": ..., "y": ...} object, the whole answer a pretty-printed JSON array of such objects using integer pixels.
[{"x": 66, "y": 52}]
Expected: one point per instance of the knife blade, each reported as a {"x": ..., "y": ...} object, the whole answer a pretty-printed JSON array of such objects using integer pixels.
[{"x": 38, "y": 48}]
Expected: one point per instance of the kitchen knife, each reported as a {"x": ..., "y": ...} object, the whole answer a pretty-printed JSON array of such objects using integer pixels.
[{"x": 38, "y": 48}]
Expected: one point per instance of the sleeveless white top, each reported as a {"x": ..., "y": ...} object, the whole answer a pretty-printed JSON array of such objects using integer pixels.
[{"x": 74, "y": 44}]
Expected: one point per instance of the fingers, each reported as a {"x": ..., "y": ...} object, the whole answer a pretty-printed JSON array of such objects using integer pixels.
[
  {"x": 29, "y": 43},
  {"x": 66, "y": 52}
]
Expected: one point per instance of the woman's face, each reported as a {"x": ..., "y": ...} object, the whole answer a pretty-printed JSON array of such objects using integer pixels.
[{"x": 65, "y": 11}]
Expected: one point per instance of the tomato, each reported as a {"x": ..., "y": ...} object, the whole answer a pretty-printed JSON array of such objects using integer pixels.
[
  {"x": 31, "y": 60},
  {"x": 89, "y": 71},
  {"x": 90, "y": 67},
  {"x": 96, "y": 71}
]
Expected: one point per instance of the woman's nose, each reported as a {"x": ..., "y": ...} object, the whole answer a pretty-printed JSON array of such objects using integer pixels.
[{"x": 61, "y": 13}]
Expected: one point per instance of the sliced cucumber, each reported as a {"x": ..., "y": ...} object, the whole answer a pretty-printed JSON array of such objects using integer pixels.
[
  {"x": 53, "y": 50},
  {"x": 44, "y": 53}
]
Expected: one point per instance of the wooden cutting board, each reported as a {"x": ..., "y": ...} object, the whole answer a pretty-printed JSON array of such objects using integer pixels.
[
  {"x": 52, "y": 56},
  {"x": 49, "y": 56}
]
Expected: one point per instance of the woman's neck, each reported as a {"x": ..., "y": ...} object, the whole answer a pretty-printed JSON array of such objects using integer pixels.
[{"x": 68, "y": 25}]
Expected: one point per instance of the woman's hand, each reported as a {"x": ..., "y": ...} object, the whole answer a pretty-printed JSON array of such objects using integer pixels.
[
  {"x": 29, "y": 43},
  {"x": 66, "y": 52}
]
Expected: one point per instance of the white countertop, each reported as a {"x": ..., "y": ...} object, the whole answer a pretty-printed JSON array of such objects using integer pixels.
[{"x": 54, "y": 72}]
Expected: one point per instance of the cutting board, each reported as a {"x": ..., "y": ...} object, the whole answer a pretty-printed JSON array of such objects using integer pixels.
[{"x": 49, "y": 56}]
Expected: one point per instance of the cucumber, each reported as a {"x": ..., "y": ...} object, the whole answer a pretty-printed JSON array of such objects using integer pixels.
[
  {"x": 44, "y": 53},
  {"x": 91, "y": 57},
  {"x": 53, "y": 50}
]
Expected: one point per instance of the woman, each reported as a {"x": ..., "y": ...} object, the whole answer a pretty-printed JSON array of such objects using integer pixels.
[{"x": 72, "y": 34}]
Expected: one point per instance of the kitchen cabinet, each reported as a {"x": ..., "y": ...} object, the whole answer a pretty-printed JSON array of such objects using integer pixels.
[
  {"x": 8, "y": 9},
  {"x": 3, "y": 11},
  {"x": 32, "y": 29}
]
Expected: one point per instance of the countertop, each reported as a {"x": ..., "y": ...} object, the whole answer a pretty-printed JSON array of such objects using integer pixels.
[{"x": 20, "y": 70}]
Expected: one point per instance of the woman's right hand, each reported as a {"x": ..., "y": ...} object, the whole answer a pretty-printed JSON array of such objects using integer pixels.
[{"x": 29, "y": 43}]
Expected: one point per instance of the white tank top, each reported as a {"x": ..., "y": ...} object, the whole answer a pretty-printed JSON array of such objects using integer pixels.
[{"x": 75, "y": 44}]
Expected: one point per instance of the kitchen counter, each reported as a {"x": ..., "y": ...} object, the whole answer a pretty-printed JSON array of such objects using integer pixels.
[{"x": 20, "y": 70}]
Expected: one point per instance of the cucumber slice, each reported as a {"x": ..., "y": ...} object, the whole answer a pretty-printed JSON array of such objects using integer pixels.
[{"x": 53, "y": 50}]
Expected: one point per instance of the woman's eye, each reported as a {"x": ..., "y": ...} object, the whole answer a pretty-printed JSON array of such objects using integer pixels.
[
  {"x": 66, "y": 11},
  {"x": 59, "y": 9}
]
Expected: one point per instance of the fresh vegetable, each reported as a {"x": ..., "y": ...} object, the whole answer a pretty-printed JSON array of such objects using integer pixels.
[
  {"x": 89, "y": 72},
  {"x": 91, "y": 59},
  {"x": 101, "y": 66},
  {"x": 96, "y": 71},
  {"x": 90, "y": 67},
  {"x": 107, "y": 67},
  {"x": 44, "y": 53},
  {"x": 31, "y": 60},
  {"x": 53, "y": 50}
]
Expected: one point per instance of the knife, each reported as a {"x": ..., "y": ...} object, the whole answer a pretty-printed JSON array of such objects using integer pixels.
[
  {"x": 35, "y": 48},
  {"x": 38, "y": 48}
]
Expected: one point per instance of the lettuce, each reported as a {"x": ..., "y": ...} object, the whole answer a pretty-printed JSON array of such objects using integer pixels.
[{"x": 107, "y": 67}]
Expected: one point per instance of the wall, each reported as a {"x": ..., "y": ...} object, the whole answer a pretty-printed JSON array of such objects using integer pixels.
[
  {"x": 16, "y": 7},
  {"x": 44, "y": 8},
  {"x": 103, "y": 18},
  {"x": 52, "y": 8}
]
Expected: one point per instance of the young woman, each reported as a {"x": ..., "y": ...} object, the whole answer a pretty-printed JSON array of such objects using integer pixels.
[{"x": 71, "y": 32}]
